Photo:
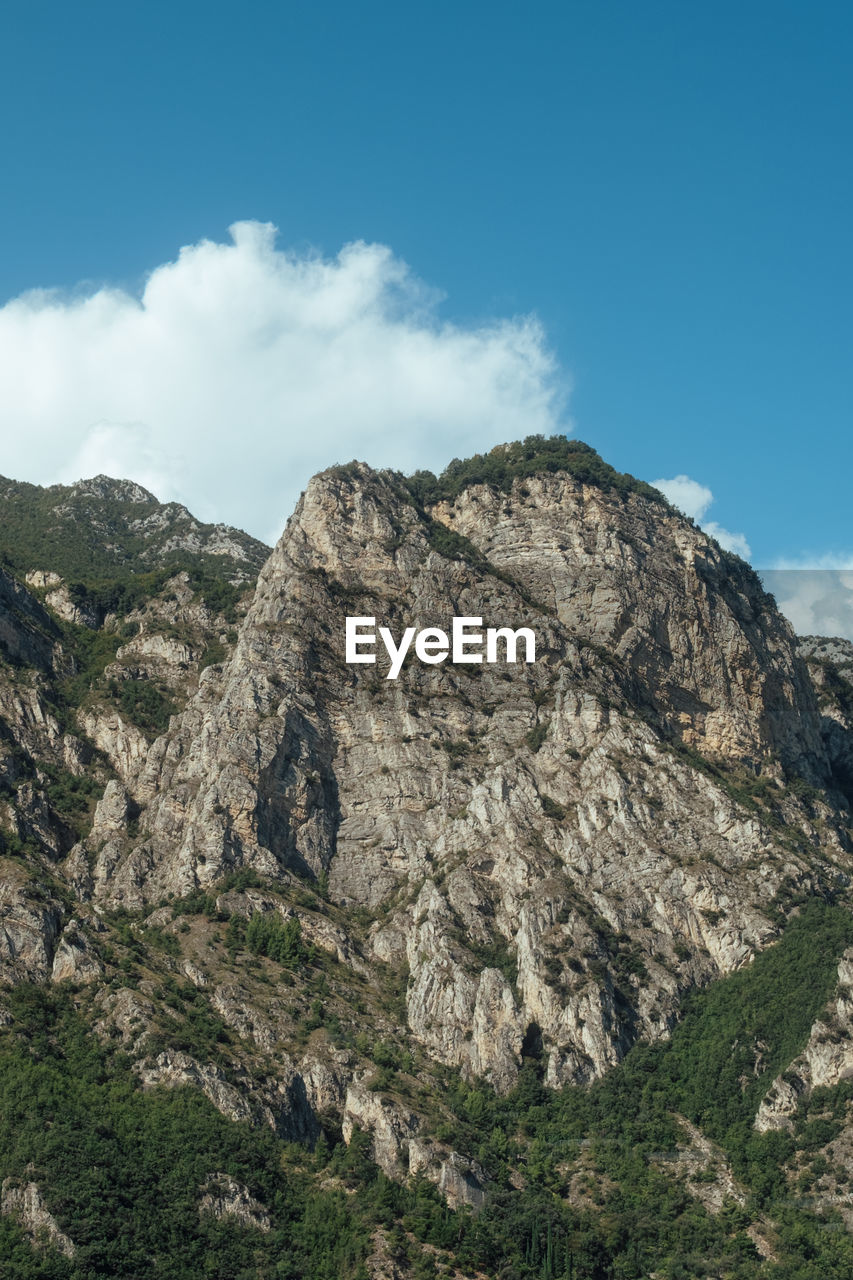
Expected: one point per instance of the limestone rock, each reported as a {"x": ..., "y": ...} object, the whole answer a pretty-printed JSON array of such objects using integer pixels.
[
  {"x": 27, "y": 631},
  {"x": 78, "y": 614},
  {"x": 42, "y": 579},
  {"x": 30, "y": 924},
  {"x": 127, "y": 1014},
  {"x": 398, "y": 1148},
  {"x": 172, "y": 1070},
  {"x": 23, "y": 1201},
  {"x": 73, "y": 958},
  {"x": 225, "y": 1198},
  {"x": 390, "y": 1126},
  {"x": 501, "y": 863},
  {"x": 123, "y": 743},
  {"x": 280, "y": 1102}
]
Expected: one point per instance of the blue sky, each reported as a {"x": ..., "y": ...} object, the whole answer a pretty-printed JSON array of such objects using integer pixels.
[{"x": 666, "y": 187}]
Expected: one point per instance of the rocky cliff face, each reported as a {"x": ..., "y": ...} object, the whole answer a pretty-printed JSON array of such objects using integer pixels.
[
  {"x": 830, "y": 664},
  {"x": 501, "y": 862},
  {"x": 535, "y": 842}
]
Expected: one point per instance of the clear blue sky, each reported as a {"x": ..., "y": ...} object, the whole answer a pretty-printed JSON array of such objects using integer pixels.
[{"x": 666, "y": 185}]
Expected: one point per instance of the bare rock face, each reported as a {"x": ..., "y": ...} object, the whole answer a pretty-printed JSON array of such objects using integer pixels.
[
  {"x": 461, "y": 1182},
  {"x": 62, "y": 604},
  {"x": 225, "y": 1198},
  {"x": 697, "y": 630},
  {"x": 505, "y": 818},
  {"x": 42, "y": 579},
  {"x": 399, "y": 1149},
  {"x": 73, "y": 958},
  {"x": 27, "y": 631},
  {"x": 830, "y": 664},
  {"x": 391, "y": 1126},
  {"x": 175, "y": 1069},
  {"x": 23, "y": 1201},
  {"x": 122, "y": 743},
  {"x": 127, "y": 1014},
  {"x": 280, "y": 1102}
]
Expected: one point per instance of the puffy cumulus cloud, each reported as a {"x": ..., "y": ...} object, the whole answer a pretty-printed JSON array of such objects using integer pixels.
[
  {"x": 242, "y": 368},
  {"x": 694, "y": 500},
  {"x": 688, "y": 495}
]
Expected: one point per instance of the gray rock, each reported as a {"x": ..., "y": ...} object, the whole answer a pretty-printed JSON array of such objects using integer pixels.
[
  {"x": 23, "y": 1201},
  {"x": 225, "y": 1198}
]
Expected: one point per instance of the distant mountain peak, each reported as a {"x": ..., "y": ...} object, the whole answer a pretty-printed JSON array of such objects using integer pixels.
[
  {"x": 103, "y": 486},
  {"x": 103, "y": 528}
]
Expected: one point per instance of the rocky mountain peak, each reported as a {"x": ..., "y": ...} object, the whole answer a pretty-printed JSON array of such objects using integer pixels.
[
  {"x": 102, "y": 486},
  {"x": 102, "y": 529},
  {"x": 505, "y": 875}
]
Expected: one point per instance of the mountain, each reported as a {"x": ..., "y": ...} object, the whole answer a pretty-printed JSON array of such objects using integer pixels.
[
  {"x": 113, "y": 531},
  {"x": 508, "y": 969}
]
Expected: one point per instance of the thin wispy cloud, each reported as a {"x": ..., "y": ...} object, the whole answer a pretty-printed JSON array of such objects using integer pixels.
[
  {"x": 838, "y": 560},
  {"x": 241, "y": 368}
]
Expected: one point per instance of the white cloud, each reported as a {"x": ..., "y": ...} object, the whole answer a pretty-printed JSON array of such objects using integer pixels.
[
  {"x": 695, "y": 500},
  {"x": 817, "y": 600},
  {"x": 842, "y": 561},
  {"x": 688, "y": 495},
  {"x": 242, "y": 368},
  {"x": 729, "y": 541}
]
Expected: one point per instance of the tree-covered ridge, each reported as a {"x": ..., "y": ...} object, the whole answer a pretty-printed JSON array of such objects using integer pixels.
[
  {"x": 583, "y": 1184},
  {"x": 111, "y": 530},
  {"x": 522, "y": 459}
]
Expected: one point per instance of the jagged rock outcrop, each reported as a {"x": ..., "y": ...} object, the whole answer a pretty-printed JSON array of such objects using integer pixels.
[
  {"x": 282, "y": 1102},
  {"x": 225, "y": 1198},
  {"x": 73, "y": 958},
  {"x": 830, "y": 663},
  {"x": 125, "y": 746},
  {"x": 689, "y": 621},
  {"x": 23, "y": 1201},
  {"x": 399, "y": 1147},
  {"x": 27, "y": 631},
  {"x": 392, "y": 1127},
  {"x": 64, "y": 606},
  {"x": 30, "y": 925}
]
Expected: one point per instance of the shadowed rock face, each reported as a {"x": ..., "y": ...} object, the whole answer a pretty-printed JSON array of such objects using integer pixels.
[
  {"x": 27, "y": 631},
  {"x": 550, "y": 865},
  {"x": 830, "y": 663}
]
